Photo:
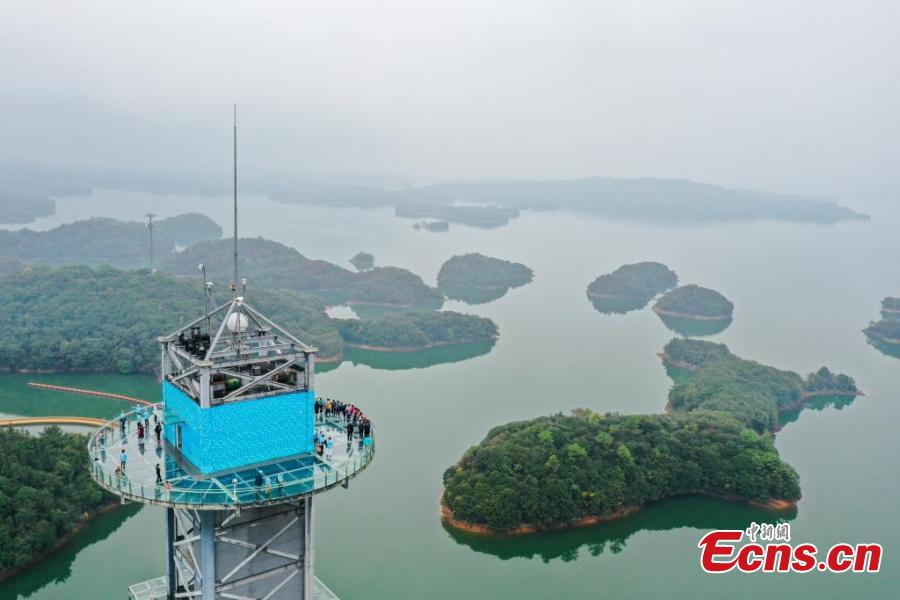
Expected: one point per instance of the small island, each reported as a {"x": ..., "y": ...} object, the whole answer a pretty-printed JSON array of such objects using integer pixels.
[
  {"x": 695, "y": 302},
  {"x": 884, "y": 335},
  {"x": 630, "y": 287},
  {"x": 405, "y": 332},
  {"x": 476, "y": 279},
  {"x": 715, "y": 439},
  {"x": 363, "y": 261}
]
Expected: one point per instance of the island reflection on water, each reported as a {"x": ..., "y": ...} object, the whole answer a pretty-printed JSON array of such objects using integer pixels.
[
  {"x": 57, "y": 566},
  {"x": 697, "y": 512},
  {"x": 689, "y": 327}
]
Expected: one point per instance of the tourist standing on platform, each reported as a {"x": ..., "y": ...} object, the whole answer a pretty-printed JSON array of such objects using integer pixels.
[
  {"x": 123, "y": 458},
  {"x": 349, "y": 432},
  {"x": 158, "y": 475},
  {"x": 123, "y": 419},
  {"x": 329, "y": 448},
  {"x": 158, "y": 431}
]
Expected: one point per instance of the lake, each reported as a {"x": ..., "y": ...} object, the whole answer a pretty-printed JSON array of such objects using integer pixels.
[{"x": 802, "y": 295}]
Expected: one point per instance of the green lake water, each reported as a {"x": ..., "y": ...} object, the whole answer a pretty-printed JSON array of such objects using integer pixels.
[{"x": 802, "y": 295}]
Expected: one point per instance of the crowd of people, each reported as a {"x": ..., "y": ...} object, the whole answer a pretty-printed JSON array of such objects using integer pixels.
[{"x": 356, "y": 424}]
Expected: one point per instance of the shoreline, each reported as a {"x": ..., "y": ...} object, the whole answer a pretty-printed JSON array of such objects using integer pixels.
[
  {"x": 672, "y": 313},
  {"x": 83, "y": 522},
  {"x": 775, "y": 505}
]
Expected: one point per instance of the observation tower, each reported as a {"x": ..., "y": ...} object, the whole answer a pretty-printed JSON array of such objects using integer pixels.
[
  {"x": 234, "y": 452},
  {"x": 238, "y": 462}
]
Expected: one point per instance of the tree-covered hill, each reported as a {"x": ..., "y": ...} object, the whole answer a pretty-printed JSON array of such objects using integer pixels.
[
  {"x": 45, "y": 490},
  {"x": 417, "y": 330},
  {"x": 82, "y": 318},
  {"x": 640, "y": 280},
  {"x": 272, "y": 265},
  {"x": 477, "y": 270},
  {"x": 695, "y": 301},
  {"x": 102, "y": 241},
  {"x": 717, "y": 439}
]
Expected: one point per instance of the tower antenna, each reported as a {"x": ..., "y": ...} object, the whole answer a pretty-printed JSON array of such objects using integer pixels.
[
  {"x": 150, "y": 216},
  {"x": 235, "y": 279}
]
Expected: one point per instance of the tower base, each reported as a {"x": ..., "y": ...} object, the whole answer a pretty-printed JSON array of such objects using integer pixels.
[{"x": 259, "y": 553}]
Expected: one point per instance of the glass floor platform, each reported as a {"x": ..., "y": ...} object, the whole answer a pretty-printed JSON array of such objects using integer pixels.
[
  {"x": 256, "y": 485},
  {"x": 156, "y": 589}
]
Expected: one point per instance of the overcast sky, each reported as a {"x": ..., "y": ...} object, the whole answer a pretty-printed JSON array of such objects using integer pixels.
[{"x": 790, "y": 95}]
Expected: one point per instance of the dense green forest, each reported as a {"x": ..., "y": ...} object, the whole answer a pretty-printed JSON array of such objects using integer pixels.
[
  {"x": 695, "y": 301},
  {"x": 717, "y": 439},
  {"x": 642, "y": 280},
  {"x": 102, "y": 241},
  {"x": 272, "y": 265},
  {"x": 82, "y": 318},
  {"x": 45, "y": 489},
  {"x": 78, "y": 318},
  {"x": 363, "y": 261},
  {"x": 417, "y": 329},
  {"x": 555, "y": 470},
  {"x": 477, "y": 270},
  {"x": 24, "y": 207}
]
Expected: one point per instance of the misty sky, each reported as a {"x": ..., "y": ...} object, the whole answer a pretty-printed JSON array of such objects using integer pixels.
[{"x": 788, "y": 95}]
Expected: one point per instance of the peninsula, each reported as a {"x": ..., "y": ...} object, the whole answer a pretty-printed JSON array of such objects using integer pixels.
[
  {"x": 716, "y": 438},
  {"x": 885, "y": 334}
]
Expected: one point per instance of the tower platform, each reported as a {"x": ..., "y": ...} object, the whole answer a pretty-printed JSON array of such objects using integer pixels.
[{"x": 265, "y": 484}]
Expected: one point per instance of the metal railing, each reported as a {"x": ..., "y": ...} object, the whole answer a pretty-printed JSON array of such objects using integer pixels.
[{"x": 298, "y": 476}]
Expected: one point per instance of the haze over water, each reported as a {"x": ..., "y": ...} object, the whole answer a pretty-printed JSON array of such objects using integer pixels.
[{"x": 802, "y": 294}]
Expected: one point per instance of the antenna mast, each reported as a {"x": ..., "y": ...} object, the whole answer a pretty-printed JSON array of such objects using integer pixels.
[
  {"x": 150, "y": 216},
  {"x": 235, "y": 279}
]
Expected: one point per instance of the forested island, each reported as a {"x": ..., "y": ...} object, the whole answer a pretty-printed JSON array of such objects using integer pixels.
[
  {"x": 890, "y": 308},
  {"x": 416, "y": 330},
  {"x": 363, "y": 261},
  {"x": 476, "y": 279},
  {"x": 487, "y": 217},
  {"x": 694, "y": 302},
  {"x": 885, "y": 334},
  {"x": 268, "y": 264},
  {"x": 95, "y": 319},
  {"x": 716, "y": 439},
  {"x": 645, "y": 199},
  {"x": 103, "y": 241},
  {"x": 17, "y": 207},
  {"x": 630, "y": 287},
  {"x": 46, "y": 493}
]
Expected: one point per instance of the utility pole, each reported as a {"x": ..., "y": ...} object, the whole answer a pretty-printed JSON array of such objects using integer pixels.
[{"x": 150, "y": 216}]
